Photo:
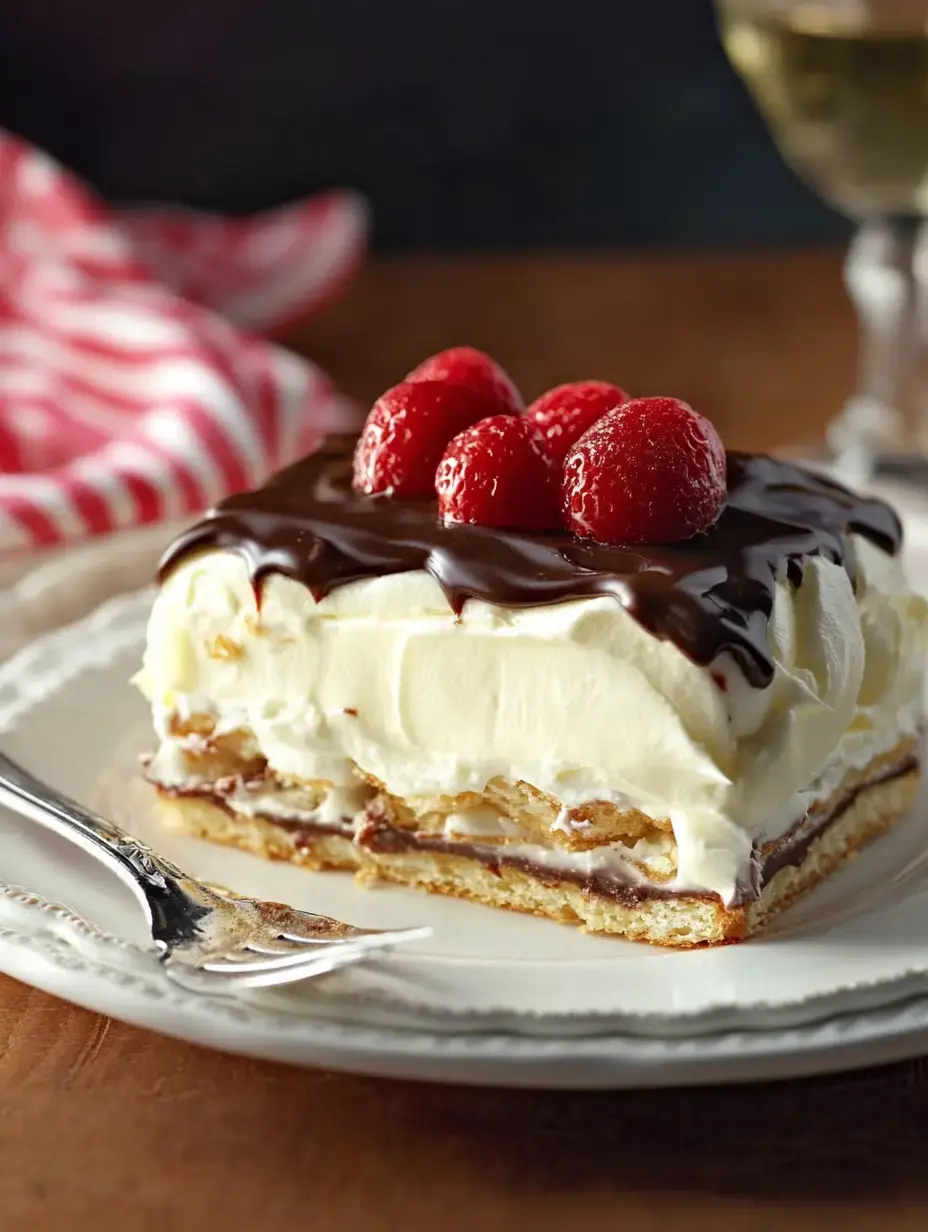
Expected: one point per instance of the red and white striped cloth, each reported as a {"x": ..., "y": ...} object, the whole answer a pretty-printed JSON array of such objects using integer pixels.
[{"x": 134, "y": 387}]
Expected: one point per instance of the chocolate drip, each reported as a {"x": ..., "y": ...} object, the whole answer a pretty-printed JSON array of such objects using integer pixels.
[{"x": 711, "y": 594}]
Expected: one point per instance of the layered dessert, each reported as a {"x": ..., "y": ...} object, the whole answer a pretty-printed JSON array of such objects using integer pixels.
[{"x": 575, "y": 661}]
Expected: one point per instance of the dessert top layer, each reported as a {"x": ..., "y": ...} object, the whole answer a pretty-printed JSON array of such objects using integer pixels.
[{"x": 709, "y": 594}]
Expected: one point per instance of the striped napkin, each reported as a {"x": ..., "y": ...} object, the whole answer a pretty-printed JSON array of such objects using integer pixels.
[{"x": 135, "y": 385}]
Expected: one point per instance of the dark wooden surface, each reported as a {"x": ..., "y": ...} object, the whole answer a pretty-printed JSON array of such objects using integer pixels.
[
  {"x": 764, "y": 344},
  {"x": 104, "y": 1126}
]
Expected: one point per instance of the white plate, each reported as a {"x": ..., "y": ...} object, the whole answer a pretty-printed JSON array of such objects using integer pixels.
[{"x": 492, "y": 997}]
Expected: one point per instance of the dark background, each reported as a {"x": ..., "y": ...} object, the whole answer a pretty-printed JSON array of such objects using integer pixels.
[{"x": 468, "y": 123}]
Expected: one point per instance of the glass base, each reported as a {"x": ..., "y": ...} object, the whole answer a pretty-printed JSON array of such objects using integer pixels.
[
  {"x": 902, "y": 468},
  {"x": 899, "y": 479}
]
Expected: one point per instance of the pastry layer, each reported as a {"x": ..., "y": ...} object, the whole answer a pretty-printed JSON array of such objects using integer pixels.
[
  {"x": 300, "y": 842},
  {"x": 681, "y": 920},
  {"x": 602, "y": 888}
]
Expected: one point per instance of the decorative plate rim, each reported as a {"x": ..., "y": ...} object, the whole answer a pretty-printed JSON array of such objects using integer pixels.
[{"x": 900, "y": 1030}]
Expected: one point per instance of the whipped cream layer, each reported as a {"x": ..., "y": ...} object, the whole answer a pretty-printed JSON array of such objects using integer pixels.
[{"x": 576, "y": 698}]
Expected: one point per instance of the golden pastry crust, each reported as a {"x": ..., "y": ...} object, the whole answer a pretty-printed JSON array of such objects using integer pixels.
[
  {"x": 201, "y": 817},
  {"x": 541, "y": 818}
]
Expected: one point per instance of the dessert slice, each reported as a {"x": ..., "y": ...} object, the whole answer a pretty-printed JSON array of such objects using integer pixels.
[{"x": 665, "y": 742}]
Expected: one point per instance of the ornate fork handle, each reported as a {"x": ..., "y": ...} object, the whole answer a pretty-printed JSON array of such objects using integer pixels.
[
  {"x": 163, "y": 889},
  {"x": 198, "y": 933}
]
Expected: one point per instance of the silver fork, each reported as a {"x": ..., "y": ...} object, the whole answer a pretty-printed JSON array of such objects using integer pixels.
[{"x": 205, "y": 939}]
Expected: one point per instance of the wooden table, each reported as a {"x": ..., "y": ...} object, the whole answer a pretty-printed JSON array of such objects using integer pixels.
[
  {"x": 104, "y": 1127},
  {"x": 763, "y": 344}
]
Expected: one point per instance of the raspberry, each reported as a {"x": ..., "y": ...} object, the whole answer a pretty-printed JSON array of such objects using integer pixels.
[
  {"x": 466, "y": 365},
  {"x": 406, "y": 432},
  {"x": 651, "y": 471},
  {"x": 564, "y": 413},
  {"x": 498, "y": 473}
]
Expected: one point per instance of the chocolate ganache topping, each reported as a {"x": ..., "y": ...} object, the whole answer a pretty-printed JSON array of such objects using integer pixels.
[{"x": 709, "y": 594}]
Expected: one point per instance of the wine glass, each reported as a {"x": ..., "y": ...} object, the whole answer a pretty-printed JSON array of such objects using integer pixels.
[{"x": 843, "y": 85}]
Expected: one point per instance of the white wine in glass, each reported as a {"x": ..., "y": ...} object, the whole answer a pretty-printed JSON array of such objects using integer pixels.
[{"x": 843, "y": 85}]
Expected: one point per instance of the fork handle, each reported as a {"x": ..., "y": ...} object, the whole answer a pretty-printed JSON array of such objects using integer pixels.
[{"x": 154, "y": 879}]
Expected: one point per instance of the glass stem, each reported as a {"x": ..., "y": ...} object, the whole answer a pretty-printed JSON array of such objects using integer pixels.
[{"x": 883, "y": 421}]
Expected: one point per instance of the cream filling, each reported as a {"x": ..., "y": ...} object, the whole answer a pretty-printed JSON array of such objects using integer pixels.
[
  {"x": 340, "y": 807},
  {"x": 622, "y": 860},
  {"x": 575, "y": 698}
]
